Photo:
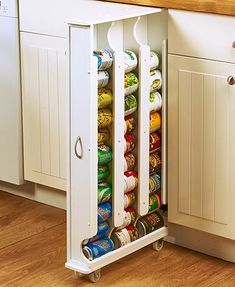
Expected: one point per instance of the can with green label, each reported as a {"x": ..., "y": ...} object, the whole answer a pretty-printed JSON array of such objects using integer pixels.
[
  {"x": 154, "y": 202},
  {"x": 104, "y": 155},
  {"x": 103, "y": 173},
  {"x": 104, "y": 192}
]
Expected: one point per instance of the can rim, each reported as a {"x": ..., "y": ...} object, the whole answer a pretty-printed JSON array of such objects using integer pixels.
[{"x": 88, "y": 253}]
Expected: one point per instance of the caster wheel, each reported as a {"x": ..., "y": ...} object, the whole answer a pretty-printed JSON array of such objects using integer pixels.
[
  {"x": 95, "y": 276},
  {"x": 158, "y": 245},
  {"x": 78, "y": 275}
]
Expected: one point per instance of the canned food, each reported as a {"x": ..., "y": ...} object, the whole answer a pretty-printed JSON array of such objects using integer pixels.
[
  {"x": 104, "y": 212},
  {"x": 155, "y": 80},
  {"x": 154, "y": 60},
  {"x": 131, "y": 83},
  {"x": 103, "y": 79},
  {"x": 155, "y": 122},
  {"x": 105, "y": 97},
  {"x": 103, "y": 173},
  {"x": 133, "y": 232},
  {"x": 154, "y": 162},
  {"x": 120, "y": 238},
  {"x": 104, "y": 155},
  {"x": 98, "y": 248},
  {"x": 155, "y": 100},
  {"x": 130, "y": 105},
  {"x": 129, "y": 199},
  {"x": 149, "y": 223},
  {"x": 154, "y": 142},
  {"x": 129, "y": 217},
  {"x": 129, "y": 143},
  {"x": 103, "y": 231},
  {"x": 129, "y": 162},
  {"x": 129, "y": 125},
  {"x": 104, "y": 57},
  {"x": 130, "y": 61},
  {"x": 130, "y": 181},
  {"x": 154, "y": 202},
  {"x": 103, "y": 136},
  {"x": 104, "y": 192},
  {"x": 104, "y": 118},
  {"x": 154, "y": 183}
]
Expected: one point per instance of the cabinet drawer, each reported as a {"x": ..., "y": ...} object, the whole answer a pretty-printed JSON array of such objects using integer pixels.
[{"x": 202, "y": 35}]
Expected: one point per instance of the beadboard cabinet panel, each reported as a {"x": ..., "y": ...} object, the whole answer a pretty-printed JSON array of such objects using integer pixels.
[
  {"x": 201, "y": 145},
  {"x": 44, "y": 97}
]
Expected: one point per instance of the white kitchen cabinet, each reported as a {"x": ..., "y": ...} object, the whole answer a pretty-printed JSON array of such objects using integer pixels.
[
  {"x": 201, "y": 134},
  {"x": 44, "y": 99}
]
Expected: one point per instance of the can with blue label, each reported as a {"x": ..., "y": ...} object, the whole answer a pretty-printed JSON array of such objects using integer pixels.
[
  {"x": 98, "y": 248},
  {"x": 103, "y": 231},
  {"x": 104, "y": 212},
  {"x": 104, "y": 58},
  {"x": 154, "y": 183}
]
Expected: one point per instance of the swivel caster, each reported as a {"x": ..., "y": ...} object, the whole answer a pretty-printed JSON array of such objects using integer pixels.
[
  {"x": 158, "y": 245},
  {"x": 78, "y": 275},
  {"x": 95, "y": 276}
]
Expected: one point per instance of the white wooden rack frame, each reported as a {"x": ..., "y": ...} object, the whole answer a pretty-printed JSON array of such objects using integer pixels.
[{"x": 116, "y": 27}]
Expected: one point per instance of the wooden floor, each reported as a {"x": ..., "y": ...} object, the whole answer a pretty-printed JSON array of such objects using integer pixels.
[{"x": 33, "y": 252}]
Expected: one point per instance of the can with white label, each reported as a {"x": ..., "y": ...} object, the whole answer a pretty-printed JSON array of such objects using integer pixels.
[
  {"x": 103, "y": 79},
  {"x": 155, "y": 102},
  {"x": 155, "y": 80}
]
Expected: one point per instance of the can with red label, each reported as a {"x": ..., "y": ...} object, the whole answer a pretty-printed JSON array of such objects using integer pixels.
[
  {"x": 155, "y": 102},
  {"x": 154, "y": 162},
  {"x": 133, "y": 232},
  {"x": 155, "y": 122},
  {"x": 129, "y": 199},
  {"x": 129, "y": 217},
  {"x": 105, "y": 97},
  {"x": 154, "y": 183},
  {"x": 130, "y": 181},
  {"x": 154, "y": 202},
  {"x": 129, "y": 143},
  {"x": 129, "y": 162},
  {"x": 103, "y": 136},
  {"x": 129, "y": 125},
  {"x": 120, "y": 237},
  {"x": 149, "y": 223},
  {"x": 154, "y": 142}
]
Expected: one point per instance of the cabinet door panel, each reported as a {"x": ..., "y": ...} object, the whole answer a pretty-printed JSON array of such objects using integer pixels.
[
  {"x": 201, "y": 145},
  {"x": 44, "y": 92}
]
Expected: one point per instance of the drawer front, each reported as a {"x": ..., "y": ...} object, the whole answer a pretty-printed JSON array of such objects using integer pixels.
[{"x": 202, "y": 35}]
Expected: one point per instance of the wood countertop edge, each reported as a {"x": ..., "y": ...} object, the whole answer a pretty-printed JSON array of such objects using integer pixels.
[{"x": 226, "y": 7}]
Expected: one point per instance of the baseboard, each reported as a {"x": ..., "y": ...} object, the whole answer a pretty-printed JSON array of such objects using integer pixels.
[
  {"x": 36, "y": 192},
  {"x": 203, "y": 242}
]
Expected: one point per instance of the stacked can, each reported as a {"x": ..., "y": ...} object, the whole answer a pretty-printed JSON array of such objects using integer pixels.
[
  {"x": 100, "y": 244},
  {"x": 155, "y": 105}
]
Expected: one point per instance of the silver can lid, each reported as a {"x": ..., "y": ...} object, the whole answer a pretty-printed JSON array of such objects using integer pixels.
[
  {"x": 88, "y": 253},
  {"x": 141, "y": 228}
]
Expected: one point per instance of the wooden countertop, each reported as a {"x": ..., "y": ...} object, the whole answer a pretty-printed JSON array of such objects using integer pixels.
[{"x": 226, "y": 7}]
